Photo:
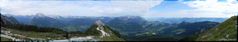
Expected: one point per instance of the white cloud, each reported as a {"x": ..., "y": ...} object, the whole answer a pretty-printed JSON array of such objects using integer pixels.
[
  {"x": 199, "y": 8},
  {"x": 80, "y": 8},
  {"x": 213, "y": 8}
]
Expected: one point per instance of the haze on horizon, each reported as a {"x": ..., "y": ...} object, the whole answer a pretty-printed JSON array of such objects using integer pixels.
[{"x": 145, "y": 8}]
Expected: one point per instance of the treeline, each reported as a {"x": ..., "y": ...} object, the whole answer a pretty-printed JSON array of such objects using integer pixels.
[{"x": 24, "y": 27}]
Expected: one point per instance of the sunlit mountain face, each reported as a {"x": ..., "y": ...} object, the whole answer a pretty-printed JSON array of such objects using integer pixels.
[{"x": 118, "y": 20}]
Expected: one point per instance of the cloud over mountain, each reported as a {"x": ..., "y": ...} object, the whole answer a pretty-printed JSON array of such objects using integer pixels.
[{"x": 149, "y": 8}]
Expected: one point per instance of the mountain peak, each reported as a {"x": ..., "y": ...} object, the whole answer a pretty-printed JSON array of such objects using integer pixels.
[
  {"x": 39, "y": 15},
  {"x": 101, "y": 28}
]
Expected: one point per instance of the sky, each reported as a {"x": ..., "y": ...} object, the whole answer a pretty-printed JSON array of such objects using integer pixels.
[{"x": 145, "y": 8}]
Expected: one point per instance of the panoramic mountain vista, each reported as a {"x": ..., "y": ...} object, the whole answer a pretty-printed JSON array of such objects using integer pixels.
[
  {"x": 111, "y": 31},
  {"x": 118, "y": 20}
]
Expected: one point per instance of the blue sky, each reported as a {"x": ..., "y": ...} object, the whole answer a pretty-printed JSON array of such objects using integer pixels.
[
  {"x": 146, "y": 8},
  {"x": 170, "y": 6}
]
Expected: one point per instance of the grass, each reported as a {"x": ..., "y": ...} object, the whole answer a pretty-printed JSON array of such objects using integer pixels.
[
  {"x": 5, "y": 39},
  {"x": 226, "y": 31},
  {"x": 32, "y": 34}
]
